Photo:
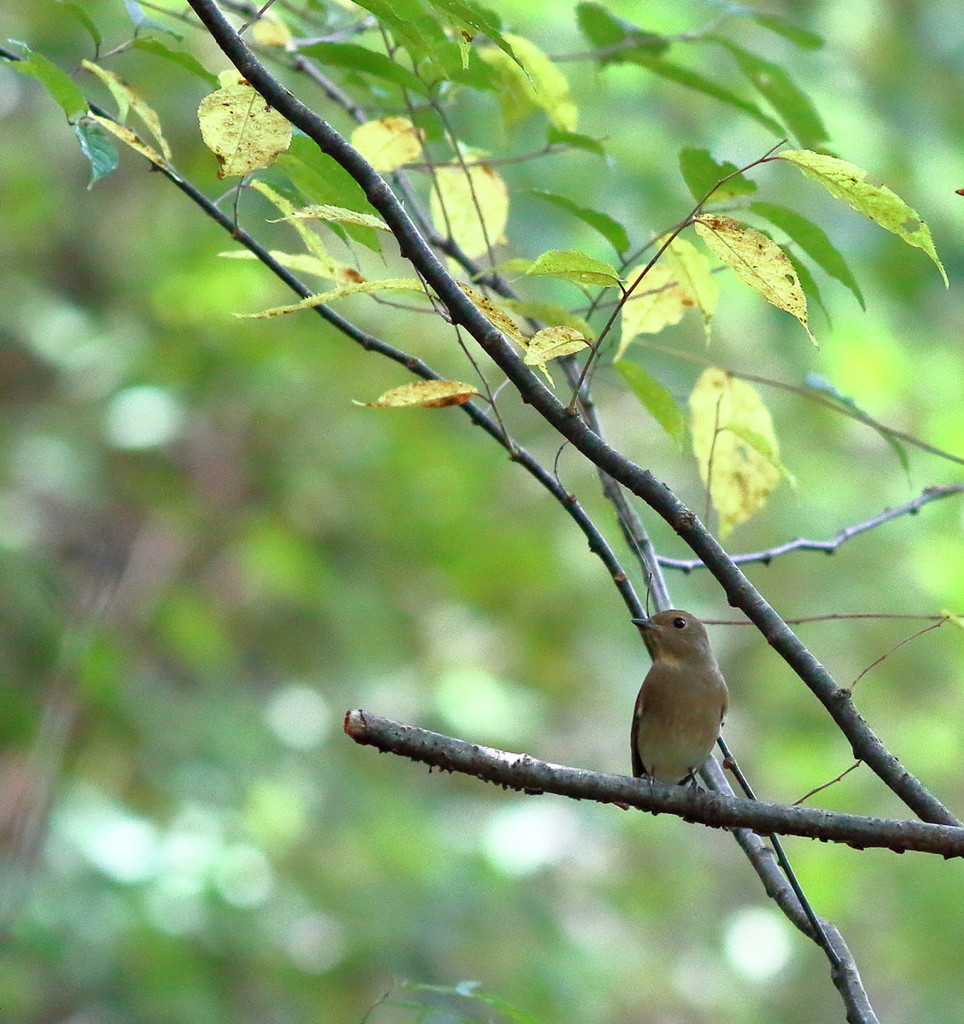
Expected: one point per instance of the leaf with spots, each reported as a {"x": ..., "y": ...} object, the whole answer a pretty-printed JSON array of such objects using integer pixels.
[
  {"x": 242, "y": 131},
  {"x": 735, "y": 446},
  {"x": 758, "y": 261},
  {"x": 846, "y": 181},
  {"x": 424, "y": 394}
]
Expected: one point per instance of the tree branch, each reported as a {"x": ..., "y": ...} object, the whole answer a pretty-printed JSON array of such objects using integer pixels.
[
  {"x": 531, "y": 776},
  {"x": 781, "y": 885},
  {"x": 740, "y": 593},
  {"x": 766, "y": 556}
]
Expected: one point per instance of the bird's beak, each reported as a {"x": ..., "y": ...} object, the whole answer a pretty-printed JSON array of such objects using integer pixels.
[{"x": 644, "y": 624}]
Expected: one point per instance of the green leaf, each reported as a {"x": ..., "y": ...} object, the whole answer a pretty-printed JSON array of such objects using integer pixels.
[
  {"x": 817, "y": 383},
  {"x": 478, "y": 19},
  {"x": 691, "y": 80},
  {"x": 655, "y": 398},
  {"x": 787, "y": 99},
  {"x": 702, "y": 173},
  {"x": 800, "y": 37},
  {"x": 96, "y": 145},
  {"x": 604, "y": 31},
  {"x": 360, "y": 58},
  {"x": 813, "y": 240},
  {"x": 573, "y": 265},
  {"x": 555, "y": 137},
  {"x": 530, "y": 82},
  {"x": 845, "y": 181},
  {"x": 610, "y": 229},
  {"x": 80, "y": 13},
  {"x": 186, "y": 60},
  {"x": 416, "y": 29},
  {"x": 323, "y": 181},
  {"x": 55, "y": 80}
]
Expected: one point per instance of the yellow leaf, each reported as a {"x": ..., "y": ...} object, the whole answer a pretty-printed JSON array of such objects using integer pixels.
[
  {"x": 339, "y": 214},
  {"x": 302, "y": 263},
  {"x": 496, "y": 315},
  {"x": 845, "y": 181},
  {"x": 460, "y": 198},
  {"x": 758, "y": 261},
  {"x": 549, "y": 312},
  {"x": 424, "y": 394},
  {"x": 242, "y": 131},
  {"x": 270, "y": 30},
  {"x": 309, "y": 238},
  {"x": 404, "y": 284},
  {"x": 388, "y": 143},
  {"x": 127, "y": 100},
  {"x": 129, "y": 138},
  {"x": 658, "y": 302},
  {"x": 692, "y": 270},
  {"x": 531, "y": 82},
  {"x": 735, "y": 446},
  {"x": 553, "y": 343}
]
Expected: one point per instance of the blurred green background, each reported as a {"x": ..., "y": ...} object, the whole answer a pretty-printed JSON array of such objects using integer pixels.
[{"x": 209, "y": 554}]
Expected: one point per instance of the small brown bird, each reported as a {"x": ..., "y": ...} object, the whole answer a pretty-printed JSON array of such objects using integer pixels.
[{"x": 682, "y": 701}]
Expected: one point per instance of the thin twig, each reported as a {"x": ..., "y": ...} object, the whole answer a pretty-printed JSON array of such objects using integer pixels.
[
  {"x": 831, "y": 617},
  {"x": 767, "y": 555},
  {"x": 827, "y": 785},
  {"x": 906, "y": 640}
]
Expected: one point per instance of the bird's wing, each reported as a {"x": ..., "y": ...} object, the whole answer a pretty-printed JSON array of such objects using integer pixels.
[{"x": 638, "y": 769}]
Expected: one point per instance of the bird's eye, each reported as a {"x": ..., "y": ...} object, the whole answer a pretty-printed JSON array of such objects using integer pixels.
[{"x": 679, "y": 622}]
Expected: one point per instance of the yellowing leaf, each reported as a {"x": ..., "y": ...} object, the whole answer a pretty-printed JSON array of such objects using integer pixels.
[
  {"x": 845, "y": 181},
  {"x": 549, "y": 312},
  {"x": 309, "y": 238},
  {"x": 496, "y": 315},
  {"x": 270, "y": 30},
  {"x": 403, "y": 284},
  {"x": 242, "y": 131},
  {"x": 129, "y": 138},
  {"x": 460, "y": 198},
  {"x": 388, "y": 143},
  {"x": 536, "y": 84},
  {"x": 302, "y": 263},
  {"x": 424, "y": 394},
  {"x": 682, "y": 280},
  {"x": 692, "y": 270},
  {"x": 127, "y": 100},
  {"x": 339, "y": 214},
  {"x": 553, "y": 343},
  {"x": 735, "y": 446},
  {"x": 572, "y": 265},
  {"x": 658, "y": 302},
  {"x": 757, "y": 260}
]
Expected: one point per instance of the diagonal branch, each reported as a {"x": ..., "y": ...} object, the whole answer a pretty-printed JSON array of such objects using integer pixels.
[
  {"x": 766, "y": 556},
  {"x": 739, "y": 591}
]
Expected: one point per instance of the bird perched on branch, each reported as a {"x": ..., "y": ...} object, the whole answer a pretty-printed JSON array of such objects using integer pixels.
[{"x": 682, "y": 701}]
